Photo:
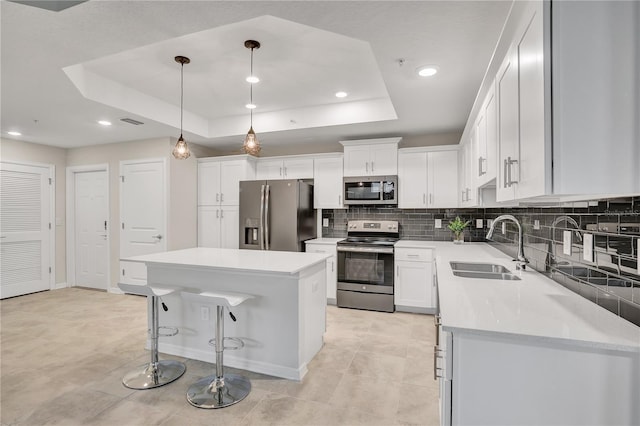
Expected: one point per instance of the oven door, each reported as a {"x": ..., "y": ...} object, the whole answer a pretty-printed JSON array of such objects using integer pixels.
[{"x": 365, "y": 269}]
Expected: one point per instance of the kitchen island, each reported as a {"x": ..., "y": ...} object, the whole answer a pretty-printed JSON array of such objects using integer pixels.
[{"x": 282, "y": 325}]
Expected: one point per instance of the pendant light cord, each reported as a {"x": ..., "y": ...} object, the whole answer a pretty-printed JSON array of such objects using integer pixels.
[
  {"x": 181, "y": 93},
  {"x": 251, "y": 91}
]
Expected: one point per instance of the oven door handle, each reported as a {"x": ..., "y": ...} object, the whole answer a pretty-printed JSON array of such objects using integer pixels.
[{"x": 385, "y": 250}]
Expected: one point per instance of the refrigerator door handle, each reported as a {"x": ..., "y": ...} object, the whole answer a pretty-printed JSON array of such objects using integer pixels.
[
  {"x": 266, "y": 218},
  {"x": 262, "y": 218}
]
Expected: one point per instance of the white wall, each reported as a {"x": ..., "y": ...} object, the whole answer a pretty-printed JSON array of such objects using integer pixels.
[{"x": 13, "y": 150}]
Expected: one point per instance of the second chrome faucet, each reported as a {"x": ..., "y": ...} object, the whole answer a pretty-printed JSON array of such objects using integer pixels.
[{"x": 521, "y": 261}]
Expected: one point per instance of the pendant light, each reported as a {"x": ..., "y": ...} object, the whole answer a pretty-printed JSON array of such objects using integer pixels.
[
  {"x": 181, "y": 150},
  {"x": 251, "y": 144}
]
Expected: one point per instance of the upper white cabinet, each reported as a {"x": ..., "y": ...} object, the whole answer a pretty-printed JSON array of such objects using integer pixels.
[
  {"x": 371, "y": 157},
  {"x": 579, "y": 140},
  {"x": 327, "y": 178},
  {"x": 293, "y": 167},
  {"x": 468, "y": 189},
  {"x": 219, "y": 177},
  {"x": 427, "y": 179}
]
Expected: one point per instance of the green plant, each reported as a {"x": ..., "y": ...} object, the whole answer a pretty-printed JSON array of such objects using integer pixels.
[{"x": 457, "y": 226}]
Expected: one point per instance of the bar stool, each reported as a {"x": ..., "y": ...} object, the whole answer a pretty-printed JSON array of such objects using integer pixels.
[
  {"x": 219, "y": 390},
  {"x": 156, "y": 373}
]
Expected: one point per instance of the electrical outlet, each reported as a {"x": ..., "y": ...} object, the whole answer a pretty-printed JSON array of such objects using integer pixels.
[
  {"x": 587, "y": 244},
  {"x": 536, "y": 224},
  {"x": 566, "y": 242},
  {"x": 504, "y": 228},
  {"x": 204, "y": 313},
  {"x": 489, "y": 223},
  {"x": 325, "y": 222},
  {"x": 479, "y": 223},
  {"x": 438, "y": 224}
]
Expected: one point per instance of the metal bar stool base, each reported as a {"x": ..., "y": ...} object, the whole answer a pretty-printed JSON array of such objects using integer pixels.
[
  {"x": 146, "y": 377},
  {"x": 203, "y": 394}
]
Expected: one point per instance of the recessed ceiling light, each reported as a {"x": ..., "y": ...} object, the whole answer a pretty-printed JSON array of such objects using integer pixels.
[
  {"x": 427, "y": 71},
  {"x": 104, "y": 122},
  {"x": 341, "y": 94},
  {"x": 14, "y": 133},
  {"x": 250, "y": 106},
  {"x": 252, "y": 79}
]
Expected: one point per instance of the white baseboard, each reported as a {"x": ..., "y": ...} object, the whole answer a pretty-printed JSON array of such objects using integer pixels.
[
  {"x": 58, "y": 286},
  {"x": 115, "y": 290},
  {"x": 235, "y": 362},
  {"x": 415, "y": 310}
]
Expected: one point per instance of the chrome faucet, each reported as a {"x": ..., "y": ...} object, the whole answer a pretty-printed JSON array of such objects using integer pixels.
[
  {"x": 521, "y": 261},
  {"x": 556, "y": 221}
]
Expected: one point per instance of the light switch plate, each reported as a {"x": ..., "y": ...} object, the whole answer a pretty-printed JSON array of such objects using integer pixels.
[
  {"x": 587, "y": 244},
  {"x": 504, "y": 228},
  {"x": 489, "y": 223},
  {"x": 479, "y": 223},
  {"x": 325, "y": 222},
  {"x": 536, "y": 224},
  {"x": 566, "y": 242},
  {"x": 438, "y": 224}
]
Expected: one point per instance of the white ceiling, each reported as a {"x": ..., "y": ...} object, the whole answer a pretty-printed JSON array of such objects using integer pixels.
[{"x": 110, "y": 59}]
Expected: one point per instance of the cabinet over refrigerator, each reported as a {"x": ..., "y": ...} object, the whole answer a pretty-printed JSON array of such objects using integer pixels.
[{"x": 276, "y": 215}]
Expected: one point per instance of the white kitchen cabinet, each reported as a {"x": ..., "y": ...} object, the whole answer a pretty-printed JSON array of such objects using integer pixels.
[
  {"x": 327, "y": 246},
  {"x": 292, "y": 167},
  {"x": 327, "y": 182},
  {"x": 218, "y": 226},
  {"x": 427, "y": 178},
  {"x": 468, "y": 189},
  {"x": 414, "y": 285},
  {"x": 219, "y": 177},
  {"x": 371, "y": 157},
  {"x": 487, "y": 130}
]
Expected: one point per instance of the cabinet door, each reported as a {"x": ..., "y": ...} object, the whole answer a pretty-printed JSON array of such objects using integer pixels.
[
  {"x": 229, "y": 227},
  {"x": 269, "y": 169},
  {"x": 208, "y": 183},
  {"x": 443, "y": 179},
  {"x": 531, "y": 168},
  {"x": 412, "y": 180},
  {"x": 469, "y": 189},
  {"x": 298, "y": 168},
  {"x": 209, "y": 226},
  {"x": 414, "y": 284},
  {"x": 383, "y": 159},
  {"x": 481, "y": 145},
  {"x": 356, "y": 160},
  {"x": 231, "y": 173},
  {"x": 327, "y": 186},
  {"x": 491, "y": 136},
  {"x": 332, "y": 273},
  {"x": 508, "y": 126}
]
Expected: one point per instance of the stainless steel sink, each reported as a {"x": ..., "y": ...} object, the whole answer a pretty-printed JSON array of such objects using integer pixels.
[
  {"x": 489, "y": 271},
  {"x": 478, "y": 267},
  {"x": 487, "y": 275}
]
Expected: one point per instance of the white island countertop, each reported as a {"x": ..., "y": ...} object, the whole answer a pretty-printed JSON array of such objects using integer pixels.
[
  {"x": 535, "y": 306},
  {"x": 278, "y": 262}
]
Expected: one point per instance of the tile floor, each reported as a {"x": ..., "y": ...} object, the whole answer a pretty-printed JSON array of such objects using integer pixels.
[{"x": 64, "y": 353}]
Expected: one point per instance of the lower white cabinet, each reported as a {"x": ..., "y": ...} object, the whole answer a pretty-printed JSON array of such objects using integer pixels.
[
  {"x": 414, "y": 281},
  {"x": 218, "y": 226},
  {"x": 329, "y": 247}
]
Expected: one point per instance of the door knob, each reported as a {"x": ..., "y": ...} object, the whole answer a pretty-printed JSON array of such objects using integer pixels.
[{"x": 157, "y": 237}]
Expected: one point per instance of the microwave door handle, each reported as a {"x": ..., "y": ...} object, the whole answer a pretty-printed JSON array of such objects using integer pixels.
[
  {"x": 262, "y": 218},
  {"x": 266, "y": 218}
]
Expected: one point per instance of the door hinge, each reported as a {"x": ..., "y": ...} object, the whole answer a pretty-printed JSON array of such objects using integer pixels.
[
  {"x": 50, "y": 181},
  {"x": 105, "y": 225}
]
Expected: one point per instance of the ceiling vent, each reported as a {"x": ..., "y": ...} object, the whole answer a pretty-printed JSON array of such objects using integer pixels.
[{"x": 131, "y": 121}]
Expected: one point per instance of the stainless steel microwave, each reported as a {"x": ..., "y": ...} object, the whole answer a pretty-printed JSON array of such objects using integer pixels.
[{"x": 370, "y": 190}]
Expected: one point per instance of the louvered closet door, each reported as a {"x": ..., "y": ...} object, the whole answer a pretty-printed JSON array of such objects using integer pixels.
[{"x": 24, "y": 229}]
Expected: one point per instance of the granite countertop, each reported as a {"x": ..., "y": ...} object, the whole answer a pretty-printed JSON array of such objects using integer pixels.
[
  {"x": 535, "y": 306},
  {"x": 282, "y": 262},
  {"x": 325, "y": 240}
]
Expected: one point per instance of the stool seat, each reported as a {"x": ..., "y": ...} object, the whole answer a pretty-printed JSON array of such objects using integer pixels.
[
  {"x": 156, "y": 373},
  {"x": 219, "y": 390}
]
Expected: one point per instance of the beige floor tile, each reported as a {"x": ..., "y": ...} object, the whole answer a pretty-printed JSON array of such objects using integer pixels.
[
  {"x": 377, "y": 365},
  {"x": 385, "y": 344},
  {"x": 127, "y": 412},
  {"x": 277, "y": 409},
  {"x": 70, "y": 408},
  {"x": 418, "y": 405},
  {"x": 376, "y": 396},
  {"x": 333, "y": 358},
  {"x": 418, "y": 371}
]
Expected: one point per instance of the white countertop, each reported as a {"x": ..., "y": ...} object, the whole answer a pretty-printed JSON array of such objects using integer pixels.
[
  {"x": 324, "y": 240},
  {"x": 536, "y": 306},
  {"x": 283, "y": 262}
]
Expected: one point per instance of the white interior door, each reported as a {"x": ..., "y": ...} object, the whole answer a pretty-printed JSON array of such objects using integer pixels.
[
  {"x": 143, "y": 214},
  {"x": 91, "y": 223},
  {"x": 25, "y": 229}
]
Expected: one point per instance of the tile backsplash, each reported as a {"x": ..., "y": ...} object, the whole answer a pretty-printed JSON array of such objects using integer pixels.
[{"x": 611, "y": 280}]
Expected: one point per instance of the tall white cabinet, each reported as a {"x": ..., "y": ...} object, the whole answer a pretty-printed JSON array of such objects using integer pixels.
[
  {"x": 218, "y": 198},
  {"x": 428, "y": 177},
  {"x": 327, "y": 177}
]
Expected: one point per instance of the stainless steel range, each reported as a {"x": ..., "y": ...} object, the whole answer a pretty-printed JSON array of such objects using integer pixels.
[{"x": 365, "y": 265}]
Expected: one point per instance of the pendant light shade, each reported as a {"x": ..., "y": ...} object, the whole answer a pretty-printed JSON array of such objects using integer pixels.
[
  {"x": 251, "y": 143},
  {"x": 181, "y": 150}
]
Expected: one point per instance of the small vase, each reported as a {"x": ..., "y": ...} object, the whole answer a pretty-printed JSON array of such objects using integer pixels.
[{"x": 458, "y": 238}]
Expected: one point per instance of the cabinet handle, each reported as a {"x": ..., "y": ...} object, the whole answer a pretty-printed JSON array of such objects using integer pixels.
[
  {"x": 504, "y": 174},
  {"x": 217, "y": 213},
  {"x": 511, "y": 163},
  {"x": 430, "y": 199},
  {"x": 285, "y": 172},
  {"x": 424, "y": 199},
  {"x": 217, "y": 197},
  {"x": 481, "y": 170},
  {"x": 221, "y": 214},
  {"x": 413, "y": 255},
  {"x": 462, "y": 198},
  {"x": 366, "y": 165},
  {"x": 372, "y": 166},
  {"x": 280, "y": 171},
  {"x": 221, "y": 197},
  {"x": 339, "y": 200}
]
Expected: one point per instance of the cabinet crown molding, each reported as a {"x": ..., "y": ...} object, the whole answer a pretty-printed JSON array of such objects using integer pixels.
[{"x": 371, "y": 141}]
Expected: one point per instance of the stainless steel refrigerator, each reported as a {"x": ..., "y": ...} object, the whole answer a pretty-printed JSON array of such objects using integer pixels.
[{"x": 276, "y": 215}]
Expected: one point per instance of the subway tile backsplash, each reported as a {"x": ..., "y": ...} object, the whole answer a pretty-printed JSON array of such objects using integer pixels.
[{"x": 611, "y": 280}]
